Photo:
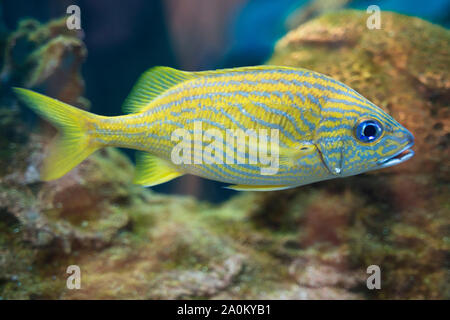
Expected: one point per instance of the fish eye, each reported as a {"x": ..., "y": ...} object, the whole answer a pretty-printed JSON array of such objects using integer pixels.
[{"x": 368, "y": 130}]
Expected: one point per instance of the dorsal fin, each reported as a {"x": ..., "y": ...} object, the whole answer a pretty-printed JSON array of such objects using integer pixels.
[
  {"x": 159, "y": 79},
  {"x": 151, "y": 84}
]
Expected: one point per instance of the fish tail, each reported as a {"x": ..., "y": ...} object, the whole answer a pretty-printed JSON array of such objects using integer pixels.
[{"x": 73, "y": 143}]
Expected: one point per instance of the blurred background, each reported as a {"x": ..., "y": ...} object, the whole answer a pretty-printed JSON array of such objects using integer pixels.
[
  {"x": 124, "y": 39},
  {"x": 313, "y": 242}
]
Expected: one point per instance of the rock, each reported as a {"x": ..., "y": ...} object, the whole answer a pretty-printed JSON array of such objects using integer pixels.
[
  {"x": 394, "y": 217},
  {"x": 313, "y": 9},
  {"x": 402, "y": 70},
  {"x": 189, "y": 284},
  {"x": 46, "y": 55}
]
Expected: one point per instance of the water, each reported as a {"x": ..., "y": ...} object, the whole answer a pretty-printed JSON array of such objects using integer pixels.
[{"x": 313, "y": 242}]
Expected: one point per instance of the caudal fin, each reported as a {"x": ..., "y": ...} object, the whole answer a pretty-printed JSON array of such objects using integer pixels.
[{"x": 73, "y": 144}]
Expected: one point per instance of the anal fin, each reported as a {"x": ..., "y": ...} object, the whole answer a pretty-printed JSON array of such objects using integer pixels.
[
  {"x": 151, "y": 170},
  {"x": 242, "y": 187}
]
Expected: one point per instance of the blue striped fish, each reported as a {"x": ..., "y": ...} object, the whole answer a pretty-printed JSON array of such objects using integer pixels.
[{"x": 318, "y": 127}]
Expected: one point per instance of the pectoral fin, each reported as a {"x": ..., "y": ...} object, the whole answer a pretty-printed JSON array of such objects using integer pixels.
[
  {"x": 151, "y": 170},
  {"x": 290, "y": 156}
]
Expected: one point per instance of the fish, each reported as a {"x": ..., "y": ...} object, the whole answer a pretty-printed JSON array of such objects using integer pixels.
[{"x": 319, "y": 128}]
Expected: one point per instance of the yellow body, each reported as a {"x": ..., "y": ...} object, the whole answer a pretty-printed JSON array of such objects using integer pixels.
[{"x": 314, "y": 115}]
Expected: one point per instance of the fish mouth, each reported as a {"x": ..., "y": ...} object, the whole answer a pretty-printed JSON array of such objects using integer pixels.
[{"x": 401, "y": 156}]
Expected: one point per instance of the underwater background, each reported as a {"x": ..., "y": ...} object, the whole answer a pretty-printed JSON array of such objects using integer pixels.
[{"x": 190, "y": 238}]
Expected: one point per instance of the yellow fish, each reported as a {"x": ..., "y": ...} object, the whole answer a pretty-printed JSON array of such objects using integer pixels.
[{"x": 303, "y": 125}]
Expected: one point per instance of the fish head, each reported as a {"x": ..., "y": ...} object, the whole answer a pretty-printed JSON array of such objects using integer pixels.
[{"x": 356, "y": 137}]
